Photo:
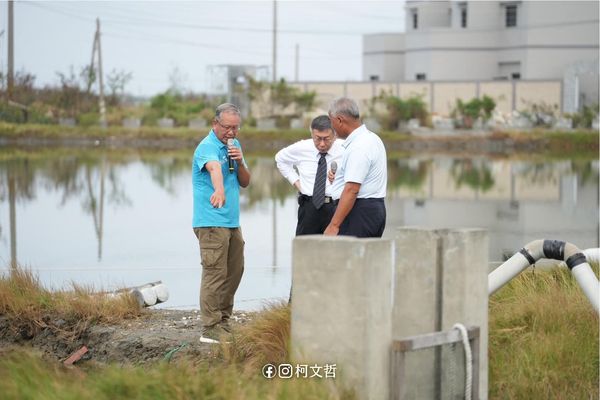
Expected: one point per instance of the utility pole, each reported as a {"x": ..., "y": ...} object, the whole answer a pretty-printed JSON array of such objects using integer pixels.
[
  {"x": 297, "y": 70},
  {"x": 11, "y": 77},
  {"x": 101, "y": 79},
  {"x": 274, "y": 41}
]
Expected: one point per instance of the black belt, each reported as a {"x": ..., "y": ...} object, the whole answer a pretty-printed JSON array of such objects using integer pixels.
[
  {"x": 328, "y": 199},
  {"x": 369, "y": 199}
]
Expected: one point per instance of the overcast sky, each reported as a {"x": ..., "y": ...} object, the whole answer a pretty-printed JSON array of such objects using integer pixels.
[{"x": 152, "y": 38}]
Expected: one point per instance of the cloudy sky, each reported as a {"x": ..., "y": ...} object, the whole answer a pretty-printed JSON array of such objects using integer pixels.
[{"x": 152, "y": 39}]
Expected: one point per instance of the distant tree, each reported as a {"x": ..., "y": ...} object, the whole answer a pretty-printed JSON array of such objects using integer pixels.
[
  {"x": 116, "y": 82},
  {"x": 72, "y": 99}
]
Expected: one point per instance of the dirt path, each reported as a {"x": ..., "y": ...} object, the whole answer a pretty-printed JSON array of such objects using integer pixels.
[{"x": 148, "y": 339}]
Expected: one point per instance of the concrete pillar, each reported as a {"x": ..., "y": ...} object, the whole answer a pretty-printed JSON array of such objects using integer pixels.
[
  {"x": 465, "y": 295},
  {"x": 341, "y": 309},
  {"x": 416, "y": 310},
  {"x": 440, "y": 280}
]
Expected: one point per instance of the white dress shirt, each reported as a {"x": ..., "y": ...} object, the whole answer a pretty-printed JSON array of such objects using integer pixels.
[
  {"x": 364, "y": 161},
  {"x": 304, "y": 157}
]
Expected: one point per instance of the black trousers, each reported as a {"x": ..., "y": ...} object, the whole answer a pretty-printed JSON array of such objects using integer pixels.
[
  {"x": 366, "y": 219},
  {"x": 310, "y": 220}
]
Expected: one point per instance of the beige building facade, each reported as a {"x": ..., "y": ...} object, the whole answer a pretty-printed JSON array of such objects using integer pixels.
[{"x": 450, "y": 41}]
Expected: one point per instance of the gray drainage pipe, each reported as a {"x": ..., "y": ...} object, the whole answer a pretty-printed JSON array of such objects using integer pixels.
[{"x": 574, "y": 258}]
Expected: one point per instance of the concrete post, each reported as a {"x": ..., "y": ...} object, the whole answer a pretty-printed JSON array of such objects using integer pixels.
[
  {"x": 465, "y": 296},
  {"x": 440, "y": 280},
  {"x": 416, "y": 307},
  {"x": 341, "y": 309}
]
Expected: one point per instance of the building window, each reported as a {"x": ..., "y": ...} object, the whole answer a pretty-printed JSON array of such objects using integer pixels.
[
  {"x": 511, "y": 15},
  {"x": 421, "y": 77},
  {"x": 463, "y": 16},
  {"x": 373, "y": 78},
  {"x": 415, "y": 18}
]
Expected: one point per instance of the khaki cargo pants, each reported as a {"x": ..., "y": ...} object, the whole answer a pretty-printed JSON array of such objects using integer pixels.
[{"x": 222, "y": 254}]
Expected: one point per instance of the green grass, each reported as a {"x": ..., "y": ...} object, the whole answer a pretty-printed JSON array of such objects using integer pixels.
[
  {"x": 543, "y": 341},
  {"x": 543, "y": 344},
  {"x": 559, "y": 142},
  {"x": 26, "y": 376}
]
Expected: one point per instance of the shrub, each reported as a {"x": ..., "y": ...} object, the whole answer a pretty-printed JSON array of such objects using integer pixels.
[
  {"x": 466, "y": 113},
  {"x": 585, "y": 117},
  {"x": 400, "y": 110}
]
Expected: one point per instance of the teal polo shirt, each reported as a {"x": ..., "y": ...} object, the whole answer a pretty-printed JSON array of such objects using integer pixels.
[{"x": 205, "y": 215}]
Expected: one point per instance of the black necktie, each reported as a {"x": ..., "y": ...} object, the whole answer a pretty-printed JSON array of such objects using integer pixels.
[{"x": 318, "y": 197}]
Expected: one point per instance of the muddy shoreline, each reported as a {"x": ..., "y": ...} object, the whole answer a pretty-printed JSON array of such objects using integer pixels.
[{"x": 157, "y": 335}]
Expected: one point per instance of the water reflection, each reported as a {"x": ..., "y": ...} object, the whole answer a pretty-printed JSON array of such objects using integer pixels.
[{"x": 122, "y": 217}]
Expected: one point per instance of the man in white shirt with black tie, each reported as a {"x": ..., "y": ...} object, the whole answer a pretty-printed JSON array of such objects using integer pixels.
[{"x": 312, "y": 158}]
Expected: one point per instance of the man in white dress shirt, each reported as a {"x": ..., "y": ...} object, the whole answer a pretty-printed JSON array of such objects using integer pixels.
[
  {"x": 360, "y": 184},
  {"x": 314, "y": 210}
]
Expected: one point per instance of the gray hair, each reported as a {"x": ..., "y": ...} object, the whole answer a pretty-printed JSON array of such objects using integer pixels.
[
  {"x": 321, "y": 123},
  {"x": 227, "y": 108},
  {"x": 345, "y": 106}
]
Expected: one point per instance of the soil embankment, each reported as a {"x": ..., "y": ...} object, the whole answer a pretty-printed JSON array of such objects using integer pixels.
[{"x": 155, "y": 336}]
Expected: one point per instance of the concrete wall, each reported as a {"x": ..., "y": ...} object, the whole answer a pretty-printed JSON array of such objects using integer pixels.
[
  {"x": 501, "y": 92},
  {"x": 513, "y": 95},
  {"x": 538, "y": 92},
  {"x": 446, "y": 94},
  {"x": 439, "y": 281},
  {"x": 342, "y": 307}
]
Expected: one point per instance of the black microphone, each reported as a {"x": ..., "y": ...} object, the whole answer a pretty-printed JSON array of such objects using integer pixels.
[{"x": 229, "y": 145}]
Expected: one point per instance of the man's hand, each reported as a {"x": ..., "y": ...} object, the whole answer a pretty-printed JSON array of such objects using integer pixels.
[
  {"x": 331, "y": 176},
  {"x": 217, "y": 199},
  {"x": 297, "y": 186},
  {"x": 331, "y": 230},
  {"x": 235, "y": 153}
]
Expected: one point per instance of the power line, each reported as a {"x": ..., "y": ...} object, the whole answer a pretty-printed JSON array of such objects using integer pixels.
[{"x": 128, "y": 21}]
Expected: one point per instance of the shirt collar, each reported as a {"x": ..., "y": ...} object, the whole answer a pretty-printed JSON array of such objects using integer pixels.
[
  {"x": 215, "y": 139},
  {"x": 361, "y": 129}
]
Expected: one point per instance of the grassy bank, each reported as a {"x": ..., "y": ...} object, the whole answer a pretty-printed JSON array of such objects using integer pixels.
[
  {"x": 543, "y": 344},
  {"x": 543, "y": 339},
  {"x": 31, "y": 308},
  {"x": 565, "y": 141}
]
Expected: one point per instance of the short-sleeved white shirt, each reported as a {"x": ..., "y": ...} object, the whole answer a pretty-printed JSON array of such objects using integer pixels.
[{"x": 364, "y": 162}]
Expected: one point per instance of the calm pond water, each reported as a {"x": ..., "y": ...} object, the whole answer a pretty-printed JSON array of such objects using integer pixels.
[{"x": 122, "y": 217}]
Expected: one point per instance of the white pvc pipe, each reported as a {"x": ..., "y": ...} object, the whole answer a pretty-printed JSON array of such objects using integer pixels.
[
  {"x": 592, "y": 256},
  {"x": 145, "y": 296},
  {"x": 162, "y": 293},
  {"x": 149, "y": 296},
  {"x": 583, "y": 273},
  {"x": 505, "y": 272},
  {"x": 589, "y": 283}
]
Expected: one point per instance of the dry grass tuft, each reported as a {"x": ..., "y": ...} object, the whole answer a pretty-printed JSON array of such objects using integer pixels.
[
  {"x": 263, "y": 340},
  {"x": 30, "y": 308}
]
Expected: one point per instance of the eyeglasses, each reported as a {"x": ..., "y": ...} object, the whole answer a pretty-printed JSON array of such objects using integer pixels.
[
  {"x": 233, "y": 128},
  {"x": 318, "y": 139}
]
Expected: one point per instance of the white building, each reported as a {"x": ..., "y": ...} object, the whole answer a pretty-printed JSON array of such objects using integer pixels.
[{"x": 490, "y": 40}]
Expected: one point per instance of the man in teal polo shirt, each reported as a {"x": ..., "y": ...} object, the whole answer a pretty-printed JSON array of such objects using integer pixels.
[{"x": 218, "y": 171}]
